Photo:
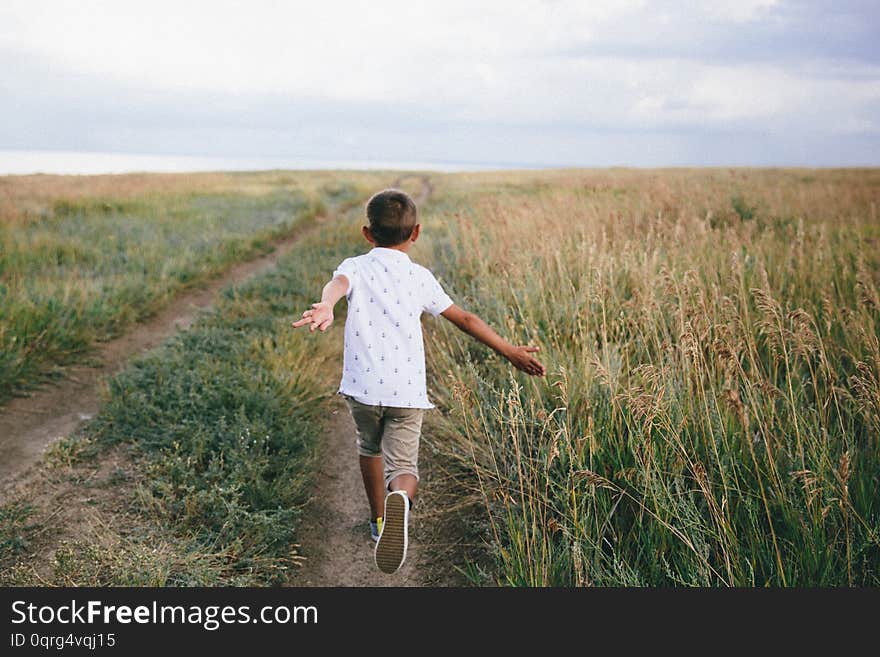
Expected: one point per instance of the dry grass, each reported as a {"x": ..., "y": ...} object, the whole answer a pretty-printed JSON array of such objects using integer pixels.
[
  {"x": 712, "y": 410},
  {"x": 31, "y": 197}
]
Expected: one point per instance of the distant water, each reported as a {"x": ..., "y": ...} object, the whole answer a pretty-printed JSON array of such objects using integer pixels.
[{"x": 68, "y": 162}]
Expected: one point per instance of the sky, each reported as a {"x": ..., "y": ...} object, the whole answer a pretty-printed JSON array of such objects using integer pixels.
[{"x": 536, "y": 83}]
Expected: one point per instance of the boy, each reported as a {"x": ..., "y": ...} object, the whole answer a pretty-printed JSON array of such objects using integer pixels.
[{"x": 383, "y": 373}]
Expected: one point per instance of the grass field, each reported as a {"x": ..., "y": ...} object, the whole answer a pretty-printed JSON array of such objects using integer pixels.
[
  {"x": 218, "y": 429},
  {"x": 711, "y": 414},
  {"x": 81, "y": 258}
]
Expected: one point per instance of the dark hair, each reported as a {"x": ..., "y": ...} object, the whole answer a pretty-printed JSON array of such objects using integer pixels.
[{"x": 393, "y": 215}]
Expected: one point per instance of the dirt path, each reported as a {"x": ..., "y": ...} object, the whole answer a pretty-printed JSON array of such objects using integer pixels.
[
  {"x": 335, "y": 537},
  {"x": 28, "y": 425}
]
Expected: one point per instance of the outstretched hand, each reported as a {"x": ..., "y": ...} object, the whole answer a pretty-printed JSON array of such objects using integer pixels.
[
  {"x": 521, "y": 359},
  {"x": 320, "y": 316}
]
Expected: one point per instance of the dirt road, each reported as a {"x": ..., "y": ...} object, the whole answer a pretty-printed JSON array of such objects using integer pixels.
[
  {"x": 335, "y": 537},
  {"x": 28, "y": 425}
]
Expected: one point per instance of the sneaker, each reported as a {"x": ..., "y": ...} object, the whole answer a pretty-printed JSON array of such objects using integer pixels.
[
  {"x": 391, "y": 547},
  {"x": 376, "y": 528}
]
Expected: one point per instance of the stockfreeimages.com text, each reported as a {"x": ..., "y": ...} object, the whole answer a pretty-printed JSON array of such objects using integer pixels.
[{"x": 211, "y": 617}]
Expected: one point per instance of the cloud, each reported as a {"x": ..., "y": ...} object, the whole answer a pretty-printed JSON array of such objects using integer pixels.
[{"x": 541, "y": 82}]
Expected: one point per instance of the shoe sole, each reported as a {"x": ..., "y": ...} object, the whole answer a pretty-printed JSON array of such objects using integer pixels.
[{"x": 391, "y": 549}]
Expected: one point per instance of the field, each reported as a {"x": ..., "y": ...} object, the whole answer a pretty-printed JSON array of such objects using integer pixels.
[
  {"x": 711, "y": 413},
  {"x": 81, "y": 258}
]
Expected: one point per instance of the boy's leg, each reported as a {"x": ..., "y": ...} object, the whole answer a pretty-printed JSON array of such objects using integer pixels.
[
  {"x": 400, "y": 447},
  {"x": 373, "y": 473},
  {"x": 368, "y": 422},
  {"x": 405, "y": 482}
]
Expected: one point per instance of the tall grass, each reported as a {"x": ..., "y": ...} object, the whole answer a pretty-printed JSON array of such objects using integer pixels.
[{"x": 712, "y": 407}]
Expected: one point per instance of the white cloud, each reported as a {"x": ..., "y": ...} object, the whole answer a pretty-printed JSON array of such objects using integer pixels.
[
  {"x": 567, "y": 64},
  {"x": 332, "y": 48},
  {"x": 738, "y": 11}
]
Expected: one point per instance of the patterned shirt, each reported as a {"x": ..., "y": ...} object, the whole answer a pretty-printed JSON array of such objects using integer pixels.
[{"x": 384, "y": 358}]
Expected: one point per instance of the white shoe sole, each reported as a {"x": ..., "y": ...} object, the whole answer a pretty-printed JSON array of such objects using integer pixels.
[{"x": 390, "y": 550}]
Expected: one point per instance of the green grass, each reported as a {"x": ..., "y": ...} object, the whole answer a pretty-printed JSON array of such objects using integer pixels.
[
  {"x": 14, "y": 529},
  {"x": 223, "y": 420},
  {"x": 80, "y": 271},
  {"x": 222, "y": 424}
]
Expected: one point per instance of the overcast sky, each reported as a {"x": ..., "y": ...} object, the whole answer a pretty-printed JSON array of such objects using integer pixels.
[{"x": 592, "y": 83}]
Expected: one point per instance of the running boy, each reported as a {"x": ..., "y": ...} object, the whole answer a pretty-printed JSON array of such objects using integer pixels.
[{"x": 383, "y": 372}]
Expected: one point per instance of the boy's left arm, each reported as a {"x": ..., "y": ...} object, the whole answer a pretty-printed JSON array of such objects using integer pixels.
[{"x": 519, "y": 357}]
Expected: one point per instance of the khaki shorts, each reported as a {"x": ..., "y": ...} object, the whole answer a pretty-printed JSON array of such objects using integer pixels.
[{"x": 390, "y": 432}]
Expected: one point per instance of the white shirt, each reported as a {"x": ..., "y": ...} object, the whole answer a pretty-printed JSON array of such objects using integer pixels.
[{"x": 384, "y": 356}]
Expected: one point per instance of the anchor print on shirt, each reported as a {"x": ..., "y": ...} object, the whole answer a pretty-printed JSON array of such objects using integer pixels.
[{"x": 402, "y": 298}]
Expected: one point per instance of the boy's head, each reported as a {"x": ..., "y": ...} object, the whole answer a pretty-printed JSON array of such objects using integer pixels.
[{"x": 393, "y": 217}]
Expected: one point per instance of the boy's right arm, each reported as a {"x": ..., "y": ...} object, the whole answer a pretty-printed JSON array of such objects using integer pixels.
[{"x": 320, "y": 315}]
